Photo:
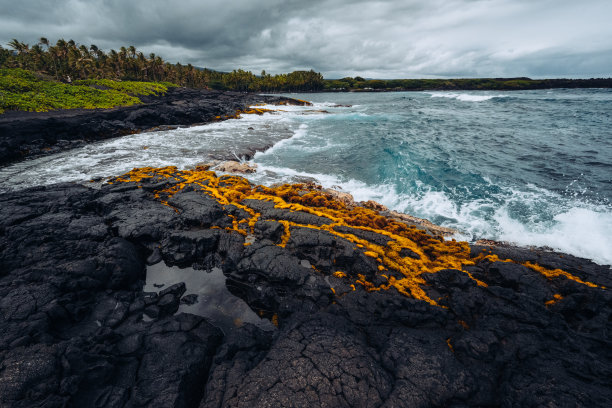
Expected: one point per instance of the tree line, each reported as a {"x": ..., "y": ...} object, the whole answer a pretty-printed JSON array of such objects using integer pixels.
[
  {"x": 455, "y": 84},
  {"x": 67, "y": 61}
]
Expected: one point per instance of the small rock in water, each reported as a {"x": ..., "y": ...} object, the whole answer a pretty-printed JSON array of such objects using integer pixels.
[
  {"x": 232, "y": 166},
  {"x": 191, "y": 299}
]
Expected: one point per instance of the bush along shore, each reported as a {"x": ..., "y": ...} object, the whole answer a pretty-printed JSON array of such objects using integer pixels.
[{"x": 361, "y": 309}]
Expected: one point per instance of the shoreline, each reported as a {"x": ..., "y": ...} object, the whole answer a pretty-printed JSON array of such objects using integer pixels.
[
  {"x": 348, "y": 290},
  {"x": 361, "y": 294},
  {"x": 35, "y": 134},
  {"x": 81, "y": 117}
]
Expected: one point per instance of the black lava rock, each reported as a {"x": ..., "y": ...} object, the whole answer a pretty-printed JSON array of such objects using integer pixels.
[{"x": 76, "y": 328}]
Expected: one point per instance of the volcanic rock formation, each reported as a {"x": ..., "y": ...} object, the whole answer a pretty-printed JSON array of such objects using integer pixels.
[{"x": 369, "y": 311}]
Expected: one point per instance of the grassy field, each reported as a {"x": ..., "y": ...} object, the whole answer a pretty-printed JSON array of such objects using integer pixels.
[{"x": 23, "y": 90}]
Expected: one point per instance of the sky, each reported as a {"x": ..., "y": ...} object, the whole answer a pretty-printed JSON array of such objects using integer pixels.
[{"x": 372, "y": 39}]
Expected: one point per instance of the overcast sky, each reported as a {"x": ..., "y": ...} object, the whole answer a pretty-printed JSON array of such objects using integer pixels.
[{"x": 379, "y": 39}]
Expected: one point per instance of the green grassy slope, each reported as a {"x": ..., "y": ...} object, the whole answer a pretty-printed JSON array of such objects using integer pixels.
[{"x": 24, "y": 90}]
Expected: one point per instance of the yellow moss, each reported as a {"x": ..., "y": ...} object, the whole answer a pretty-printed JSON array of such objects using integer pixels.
[{"x": 432, "y": 254}]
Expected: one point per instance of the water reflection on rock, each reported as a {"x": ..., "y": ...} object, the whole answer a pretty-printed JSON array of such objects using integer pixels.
[{"x": 206, "y": 295}]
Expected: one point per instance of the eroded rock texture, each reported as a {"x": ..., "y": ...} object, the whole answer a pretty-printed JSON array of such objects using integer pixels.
[{"x": 369, "y": 312}]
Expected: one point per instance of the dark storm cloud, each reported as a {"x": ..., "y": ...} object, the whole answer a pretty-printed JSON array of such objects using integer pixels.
[{"x": 370, "y": 38}]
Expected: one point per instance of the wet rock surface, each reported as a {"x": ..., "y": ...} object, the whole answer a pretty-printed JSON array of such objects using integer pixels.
[
  {"x": 29, "y": 134},
  {"x": 77, "y": 329}
]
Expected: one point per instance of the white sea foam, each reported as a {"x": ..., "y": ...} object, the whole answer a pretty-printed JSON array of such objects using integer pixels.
[
  {"x": 465, "y": 97},
  {"x": 579, "y": 231}
]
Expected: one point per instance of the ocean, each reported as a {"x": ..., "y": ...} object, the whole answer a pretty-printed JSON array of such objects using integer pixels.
[{"x": 526, "y": 167}]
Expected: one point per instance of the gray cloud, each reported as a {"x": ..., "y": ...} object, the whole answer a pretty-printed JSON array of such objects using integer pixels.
[{"x": 384, "y": 39}]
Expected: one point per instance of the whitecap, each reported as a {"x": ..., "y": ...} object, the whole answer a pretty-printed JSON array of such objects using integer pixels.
[{"x": 464, "y": 97}]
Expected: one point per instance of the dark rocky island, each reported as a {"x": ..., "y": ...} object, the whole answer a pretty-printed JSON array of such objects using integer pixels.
[
  {"x": 365, "y": 309},
  {"x": 29, "y": 134}
]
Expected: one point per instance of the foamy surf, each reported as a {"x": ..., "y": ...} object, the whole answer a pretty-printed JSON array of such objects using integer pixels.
[
  {"x": 464, "y": 97},
  {"x": 418, "y": 153},
  {"x": 579, "y": 231}
]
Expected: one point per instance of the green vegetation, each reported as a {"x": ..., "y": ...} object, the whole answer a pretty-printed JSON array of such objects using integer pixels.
[
  {"x": 67, "y": 60},
  {"x": 24, "y": 90},
  {"x": 360, "y": 84},
  {"x": 70, "y": 75},
  {"x": 130, "y": 87}
]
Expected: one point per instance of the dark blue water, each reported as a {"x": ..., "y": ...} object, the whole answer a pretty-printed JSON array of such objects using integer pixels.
[{"x": 528, "y": 167}]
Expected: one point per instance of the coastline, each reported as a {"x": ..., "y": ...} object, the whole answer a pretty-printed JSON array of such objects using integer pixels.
[
  {"x": 349, "y": 294},
  {"x": 348, "y": 290},
  {"x": 34, "y": 134}
]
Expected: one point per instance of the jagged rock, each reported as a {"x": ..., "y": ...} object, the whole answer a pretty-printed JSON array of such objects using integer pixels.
[
  {"x": 421, "y": 223},
  {"x": 78, "y": 330},
  {"x": 231, "y": 166},
  {"x": 345, "y": 198},
  {"x": 373, "y": 205}
]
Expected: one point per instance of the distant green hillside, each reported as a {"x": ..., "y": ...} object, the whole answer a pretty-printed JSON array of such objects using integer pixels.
[{"x": 24, "y": 90}]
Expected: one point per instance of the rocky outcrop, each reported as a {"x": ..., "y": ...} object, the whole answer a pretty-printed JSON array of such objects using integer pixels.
[
  {"x": 369, "y": 311},
  {"x": 232, "y": 166},
  {"x": 28, "y": 134}
]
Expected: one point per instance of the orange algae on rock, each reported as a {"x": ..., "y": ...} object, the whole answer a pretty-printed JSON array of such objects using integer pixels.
[{"x": 429, "y": 254}]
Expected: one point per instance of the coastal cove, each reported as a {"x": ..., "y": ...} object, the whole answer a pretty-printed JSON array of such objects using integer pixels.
[
  {"x": 304, "y": 204},
  {"x": 443, "y": 156},
  {"x": 142, "y": 271}
]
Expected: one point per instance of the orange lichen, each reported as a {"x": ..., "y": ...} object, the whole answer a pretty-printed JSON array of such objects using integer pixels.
[
  {"x": 557, "y": 297},
  {"x": 450, "y": 346},
  {"x": 548, "y": 273},
  {"x": 274, "y": 319},
  {"x": 429, "y": 254},
  {"x": 553, "y": 273}
]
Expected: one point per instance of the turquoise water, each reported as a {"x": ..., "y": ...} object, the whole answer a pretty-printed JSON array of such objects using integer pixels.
[{"x": 528, "y": 167}]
